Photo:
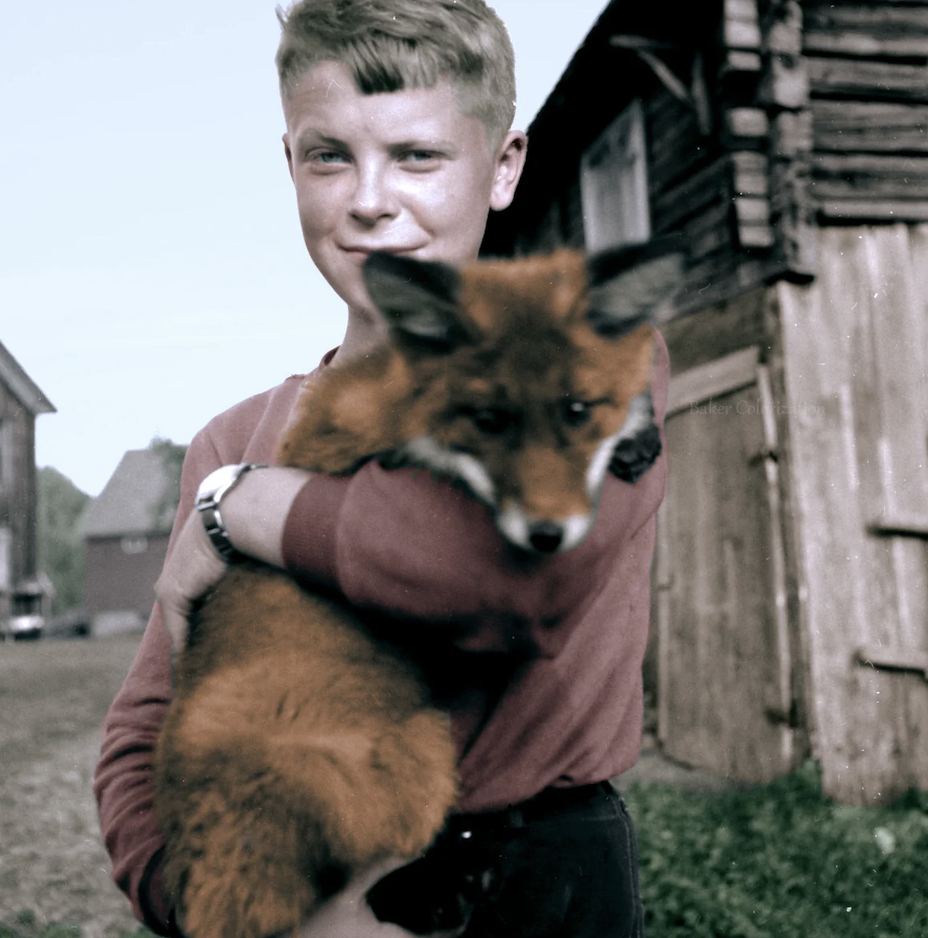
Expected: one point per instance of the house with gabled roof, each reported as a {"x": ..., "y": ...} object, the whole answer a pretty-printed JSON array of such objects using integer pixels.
[
  {"x": 21, "y": 401},
  {"x": 126, "y": 531}
]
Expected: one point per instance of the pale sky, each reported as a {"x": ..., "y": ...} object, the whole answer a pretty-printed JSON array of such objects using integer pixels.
[{"x": 152, "y": 271}]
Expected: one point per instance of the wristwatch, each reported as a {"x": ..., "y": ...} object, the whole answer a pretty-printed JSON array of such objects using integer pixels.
[{"x": 210, "y": 494}]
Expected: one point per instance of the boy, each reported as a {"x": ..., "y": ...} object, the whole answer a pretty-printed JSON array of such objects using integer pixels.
[{"x": 398, "y": 116}]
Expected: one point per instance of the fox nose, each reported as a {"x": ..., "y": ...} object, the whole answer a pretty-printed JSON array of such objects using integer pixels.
[{"x": 546, "y": 536}]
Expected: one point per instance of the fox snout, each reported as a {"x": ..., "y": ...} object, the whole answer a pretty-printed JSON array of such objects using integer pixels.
[{"x": 544, "y": 535}]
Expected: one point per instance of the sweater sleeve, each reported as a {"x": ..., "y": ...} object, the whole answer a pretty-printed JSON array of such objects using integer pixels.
[
  {"x": 403, "y": 542},
  {"x": 122, "y": 781}
]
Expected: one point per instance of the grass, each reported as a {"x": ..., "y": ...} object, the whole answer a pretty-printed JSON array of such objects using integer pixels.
[
  {"x": 777, "y": 861},
  {"x": 781, "y": 860}
]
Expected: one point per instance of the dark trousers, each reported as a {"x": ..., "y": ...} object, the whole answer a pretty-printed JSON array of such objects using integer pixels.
[{"x": 561, "y": 865}]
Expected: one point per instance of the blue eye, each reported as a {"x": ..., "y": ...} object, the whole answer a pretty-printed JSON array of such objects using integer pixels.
[{"x": 419, "y": 156}]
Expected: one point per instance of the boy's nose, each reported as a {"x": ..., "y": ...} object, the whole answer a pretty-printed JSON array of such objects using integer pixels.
[{"x": 372, "y": 199}]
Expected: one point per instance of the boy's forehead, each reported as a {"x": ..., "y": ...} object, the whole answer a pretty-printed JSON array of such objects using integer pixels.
[{"x": 326, "y": 98}]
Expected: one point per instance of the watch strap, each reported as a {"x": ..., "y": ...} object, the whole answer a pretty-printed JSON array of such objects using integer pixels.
[{"x": 212, "y": 490}]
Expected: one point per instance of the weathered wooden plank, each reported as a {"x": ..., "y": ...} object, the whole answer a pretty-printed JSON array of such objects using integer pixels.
[
  {"x": 662, "y": 611},
  {"x": 862, "y": 44},
  {"x": 893, "y": 659},
  {"x": 718, "y": 618},
  {"x": 856, "y": 177},
  {"x": 785, "y": 82},
  {"x": 791, "y": 134},
  {"x": 752, "y": 211},
  {"x": 879, "y": 18},
  {"x": 781, "y": 705},
  {"x": 792, "y": 212},
  {"x": 715, "y": 216},
  {"x": 900, "y": 524},
  {"x": 902, "y": 390},
  {"x": 739, "y": 62},
  {"x": 752, "y": 218},
  {"x": 746, "y": 124},
  {"x": 847, "y": 705},
  {"x": 756, "y": 236},
  {"x": 677, "y": 203},
  {"x": 710, "y": 239},
  {"x": 717, "y": 280},
  {"x": 782, "y": 28},
  {"x": 872, "y": 210},
  {"x": 852, "y": 78},
  {"x": 713, "y": 379},
  {"x": 741, "y": 27},
  {"x": 918, "y": 245},
  {"x": 869, "y": 126},
  {"x": 884, "y": 29},
  {"x": 749, "y": 173},
  {"x": 715, "y": 331}
]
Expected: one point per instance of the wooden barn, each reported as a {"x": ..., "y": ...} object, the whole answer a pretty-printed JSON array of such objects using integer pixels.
[
  {"x": 787, "y": 142},
  {"x": 21, "y": 588}
]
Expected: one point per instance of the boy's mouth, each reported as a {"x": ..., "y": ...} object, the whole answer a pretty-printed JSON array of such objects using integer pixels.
[{"x": 360, "y": 253}]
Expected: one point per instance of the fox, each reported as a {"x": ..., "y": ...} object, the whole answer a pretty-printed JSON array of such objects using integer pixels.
[{"x": 300, "y": 746}]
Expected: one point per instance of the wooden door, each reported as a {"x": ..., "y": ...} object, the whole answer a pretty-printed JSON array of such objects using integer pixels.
[{"x": 723, "y": 661}]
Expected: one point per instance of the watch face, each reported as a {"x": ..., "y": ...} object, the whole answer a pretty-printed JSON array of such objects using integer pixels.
[{"x": 217, "y": 480}]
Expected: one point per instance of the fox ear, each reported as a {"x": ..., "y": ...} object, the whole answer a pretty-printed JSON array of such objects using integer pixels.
[
  {"x": 418, "y": 299},
  {"x": 628, "y": 284}
]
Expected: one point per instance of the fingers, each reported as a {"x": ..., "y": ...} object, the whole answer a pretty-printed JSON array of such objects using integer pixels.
[{"x": 191, "y": 570}]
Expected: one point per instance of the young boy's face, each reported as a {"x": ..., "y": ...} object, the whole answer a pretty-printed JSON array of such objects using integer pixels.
[{"x": 404, "y": 171}]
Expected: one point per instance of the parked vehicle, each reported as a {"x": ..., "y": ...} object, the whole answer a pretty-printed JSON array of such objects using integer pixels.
[{"x": 28, "y": 607}]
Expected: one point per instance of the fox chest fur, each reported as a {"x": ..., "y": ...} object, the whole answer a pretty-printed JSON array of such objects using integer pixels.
[{"x": 298, "y": 748}]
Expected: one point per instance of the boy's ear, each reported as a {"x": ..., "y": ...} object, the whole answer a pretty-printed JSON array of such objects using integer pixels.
[
  {"x": 510, "y": 161},
  {"x": 419, "y": 300},
  {"x": 628, "y": 284}
]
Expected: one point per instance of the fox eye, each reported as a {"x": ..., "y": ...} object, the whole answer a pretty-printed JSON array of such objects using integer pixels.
[
  {"x": 490, "y": 420},
  {"x": 575, "y": 413}
]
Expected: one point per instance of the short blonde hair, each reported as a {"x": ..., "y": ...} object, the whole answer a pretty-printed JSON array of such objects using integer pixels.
[{"x": 389, "y": 45}]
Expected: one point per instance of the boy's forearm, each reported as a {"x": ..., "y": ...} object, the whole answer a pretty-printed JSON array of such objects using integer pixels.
[{"x": 255, "y": 511}]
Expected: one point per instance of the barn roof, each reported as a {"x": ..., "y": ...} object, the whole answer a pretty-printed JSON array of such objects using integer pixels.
[
  {"x": 14, "y": 376},
  {"x": 137, "y": 500}
]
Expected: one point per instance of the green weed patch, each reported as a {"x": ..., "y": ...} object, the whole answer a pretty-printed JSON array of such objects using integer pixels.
[{"x": 781, "y": 860}]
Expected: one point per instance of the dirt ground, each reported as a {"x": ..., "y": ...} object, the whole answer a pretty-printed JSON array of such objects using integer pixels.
[{"x": 53, "y": 695}]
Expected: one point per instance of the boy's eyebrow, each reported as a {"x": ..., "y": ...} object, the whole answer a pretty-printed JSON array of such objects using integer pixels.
[
  {"x": 422, "y": 143},
  {"x": 313, "y": 135}
]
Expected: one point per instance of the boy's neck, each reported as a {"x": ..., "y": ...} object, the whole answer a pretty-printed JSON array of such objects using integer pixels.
[{"x": 364, "y": 333}]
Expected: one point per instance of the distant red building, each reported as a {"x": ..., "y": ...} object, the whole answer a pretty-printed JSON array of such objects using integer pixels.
[{"x": 126, "y": 530}]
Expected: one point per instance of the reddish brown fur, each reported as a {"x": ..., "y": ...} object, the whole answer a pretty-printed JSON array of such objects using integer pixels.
[
  {"x": 295, "y": 746},
  {"x": 295, "y": 743}
]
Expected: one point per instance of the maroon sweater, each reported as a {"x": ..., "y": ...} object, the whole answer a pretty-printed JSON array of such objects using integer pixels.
[{"x": 538, "y": 660}]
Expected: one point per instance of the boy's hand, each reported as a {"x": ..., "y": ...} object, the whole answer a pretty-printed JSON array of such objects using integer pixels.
[
  {"x": 191, "y": 570},
  {"x": 347, "y": 914},
  {"x": 255, "y": 512}
]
